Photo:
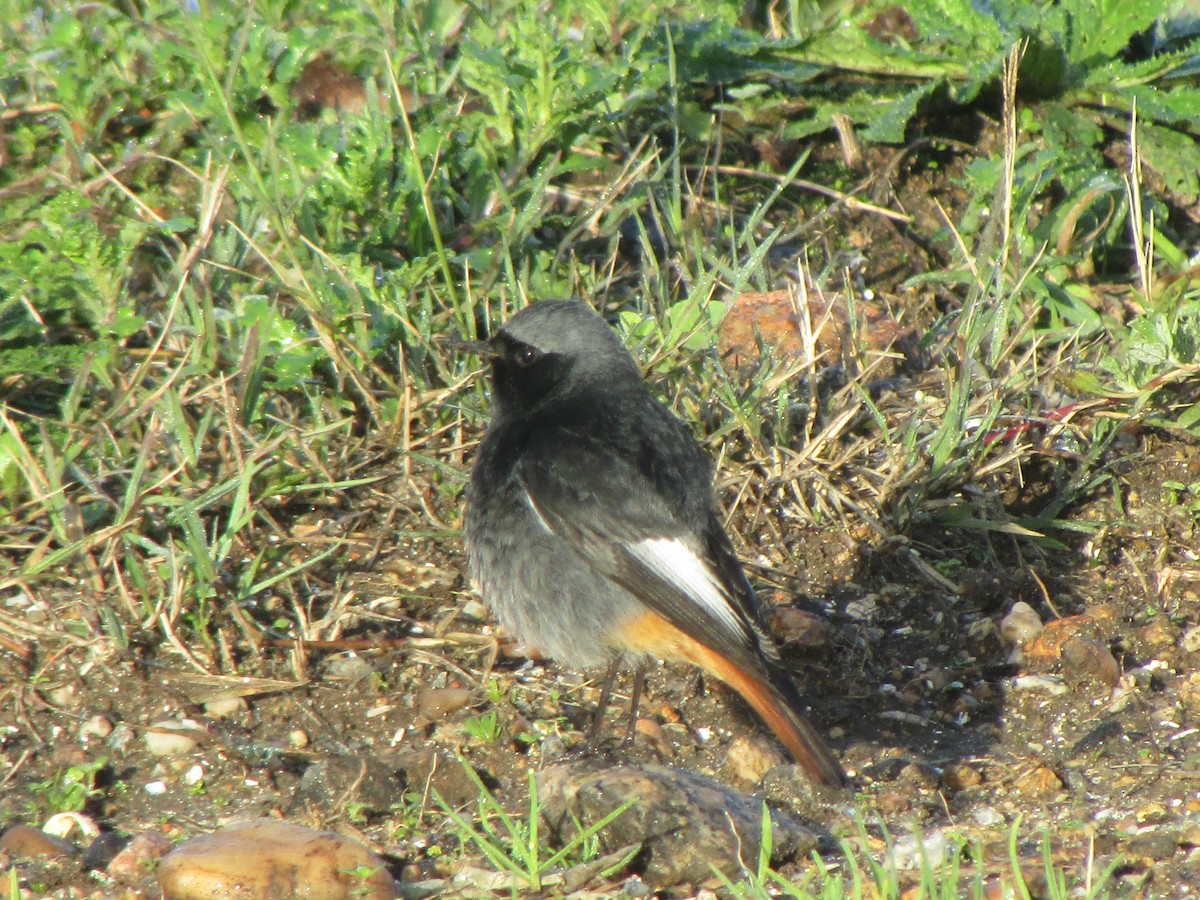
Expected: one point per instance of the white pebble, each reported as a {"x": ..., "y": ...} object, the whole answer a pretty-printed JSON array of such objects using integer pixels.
[
  {"x": 63, "y": 823},
  {"x": 194, "y": 775}
]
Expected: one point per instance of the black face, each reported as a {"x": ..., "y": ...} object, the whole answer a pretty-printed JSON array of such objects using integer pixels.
[{"x": 523, "y": 375}]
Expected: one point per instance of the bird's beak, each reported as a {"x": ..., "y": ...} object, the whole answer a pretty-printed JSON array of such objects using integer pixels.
[{"x": 479, "y": 348}]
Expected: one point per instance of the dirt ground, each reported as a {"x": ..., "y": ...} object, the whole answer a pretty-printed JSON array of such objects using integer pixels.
[{"x": 912, "y": 680}]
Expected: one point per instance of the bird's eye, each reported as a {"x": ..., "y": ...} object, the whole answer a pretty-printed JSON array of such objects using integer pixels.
[{"x": 526, "y": 355}]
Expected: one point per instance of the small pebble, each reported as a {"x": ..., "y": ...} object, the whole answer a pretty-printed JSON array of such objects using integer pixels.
[
  {"x": 97, "y": 726},
  {"x": 1050, "y": 683},
  {"x": 934, "y": 848},
  {"x": 1021, "y": 624},
  {"x": 194, "y": 775},
  {"x": 635, "y": 887},
  {"x": 1041, "y": 782},
  {"x": 172, "y": 737},
  {"x": 69, "y": 754},
  {"x": 1157, "y": 636},
  {"x": 1188, "y": 691},
  {"x": 864, "y": 607},
  {"x": 120, "y": 739},
  {"x": 64, "y": 695},
  {"x": 298, "y": 738},
  {"x": 1190, "y": 642},
  {"x": 224, "y": 707},
  {"x": 349, "y": 668},
  {"x": 798, "y": 628},
  {"x": 63, "y": 823},
  {"x": 987, "y": 816},
  {"x": 474, "y": 611},
  {"x": 1085, "y": 660},
  {"x": 960, "y": 776},
  {"x": 437, "y": 703},
  {"x": 750, "y": 758},
  {"x": 27, "y": 842},
  {"x": 137, "y": 857}
]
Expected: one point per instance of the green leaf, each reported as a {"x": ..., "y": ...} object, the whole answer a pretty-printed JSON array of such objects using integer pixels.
[
  {"x": 1173, "y": 156},
  {"x": 1178, "y": 106},
  {"x": 890, "y": 127},
  {"x": 1100, "y": 29}
]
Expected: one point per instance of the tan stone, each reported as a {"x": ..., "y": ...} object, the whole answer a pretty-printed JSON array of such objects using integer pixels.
[
  {"x": 26, "y": 842},
  {"x": 1021, "y": 624},
  {"x": 265, "y": 859},
  {"x": 960, "y": 776},
  {"x": 751, "y": 757},
  {"x": 1085, "y": 660},
  {"x": 437, "y": 703}
]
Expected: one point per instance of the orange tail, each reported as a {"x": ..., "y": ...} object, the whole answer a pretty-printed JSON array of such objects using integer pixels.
[
  {"x": 650, "y": 633},
  {"x": 793, "y": 730}
]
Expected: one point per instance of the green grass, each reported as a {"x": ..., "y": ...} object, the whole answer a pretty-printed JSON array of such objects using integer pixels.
[
  {"x": 514, "y": 844},
  {"x": 213, "y": 310}
]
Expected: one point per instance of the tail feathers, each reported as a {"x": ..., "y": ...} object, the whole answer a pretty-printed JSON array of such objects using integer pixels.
[
  {"x": 796, "y": 733},
  {"x": 779, "y": 707},
  {"x": 762, "y": 683}
]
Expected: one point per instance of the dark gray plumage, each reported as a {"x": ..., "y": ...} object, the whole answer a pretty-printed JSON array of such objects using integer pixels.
[{"x": 591, "y": 528}]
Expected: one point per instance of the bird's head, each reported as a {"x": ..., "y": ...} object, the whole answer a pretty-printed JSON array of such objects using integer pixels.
[{"x": 550, "y": 350}]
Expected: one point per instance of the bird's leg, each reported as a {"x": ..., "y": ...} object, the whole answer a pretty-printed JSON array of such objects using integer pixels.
[
  {"x": 639, "y": 682},
  {"x": 597, "y": 729}
]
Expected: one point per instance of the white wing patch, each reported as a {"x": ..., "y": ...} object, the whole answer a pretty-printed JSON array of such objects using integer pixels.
[
  {"x": 537, "y": 514},
  {"x": 674, "y": 563}
]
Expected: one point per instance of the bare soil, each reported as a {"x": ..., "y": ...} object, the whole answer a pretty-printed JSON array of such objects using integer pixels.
[{"x": 913, "y": 682}]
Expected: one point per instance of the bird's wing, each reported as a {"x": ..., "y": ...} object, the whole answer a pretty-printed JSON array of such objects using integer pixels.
[
  {"x": 633, "y": 514},
  {"x": 631, "y": 517}
]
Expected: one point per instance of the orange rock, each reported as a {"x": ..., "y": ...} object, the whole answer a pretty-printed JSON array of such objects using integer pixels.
[
  {"x": 1157, "y": 635},
  {"x": 775, "y": 320},
  {"x": 1041, "y": 782},
  {"x": 1047, "y": 646}
]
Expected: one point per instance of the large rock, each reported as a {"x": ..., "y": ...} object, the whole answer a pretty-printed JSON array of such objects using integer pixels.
[
  {"x": 687, "y": 825},
  {"x": 265, "y": 859}
]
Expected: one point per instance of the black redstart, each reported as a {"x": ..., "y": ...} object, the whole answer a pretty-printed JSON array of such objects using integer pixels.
[{"x": 591, "y": 528}]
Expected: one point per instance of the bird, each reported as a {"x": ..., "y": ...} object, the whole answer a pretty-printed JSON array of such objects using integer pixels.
[{"x": 591, "y": 528}]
